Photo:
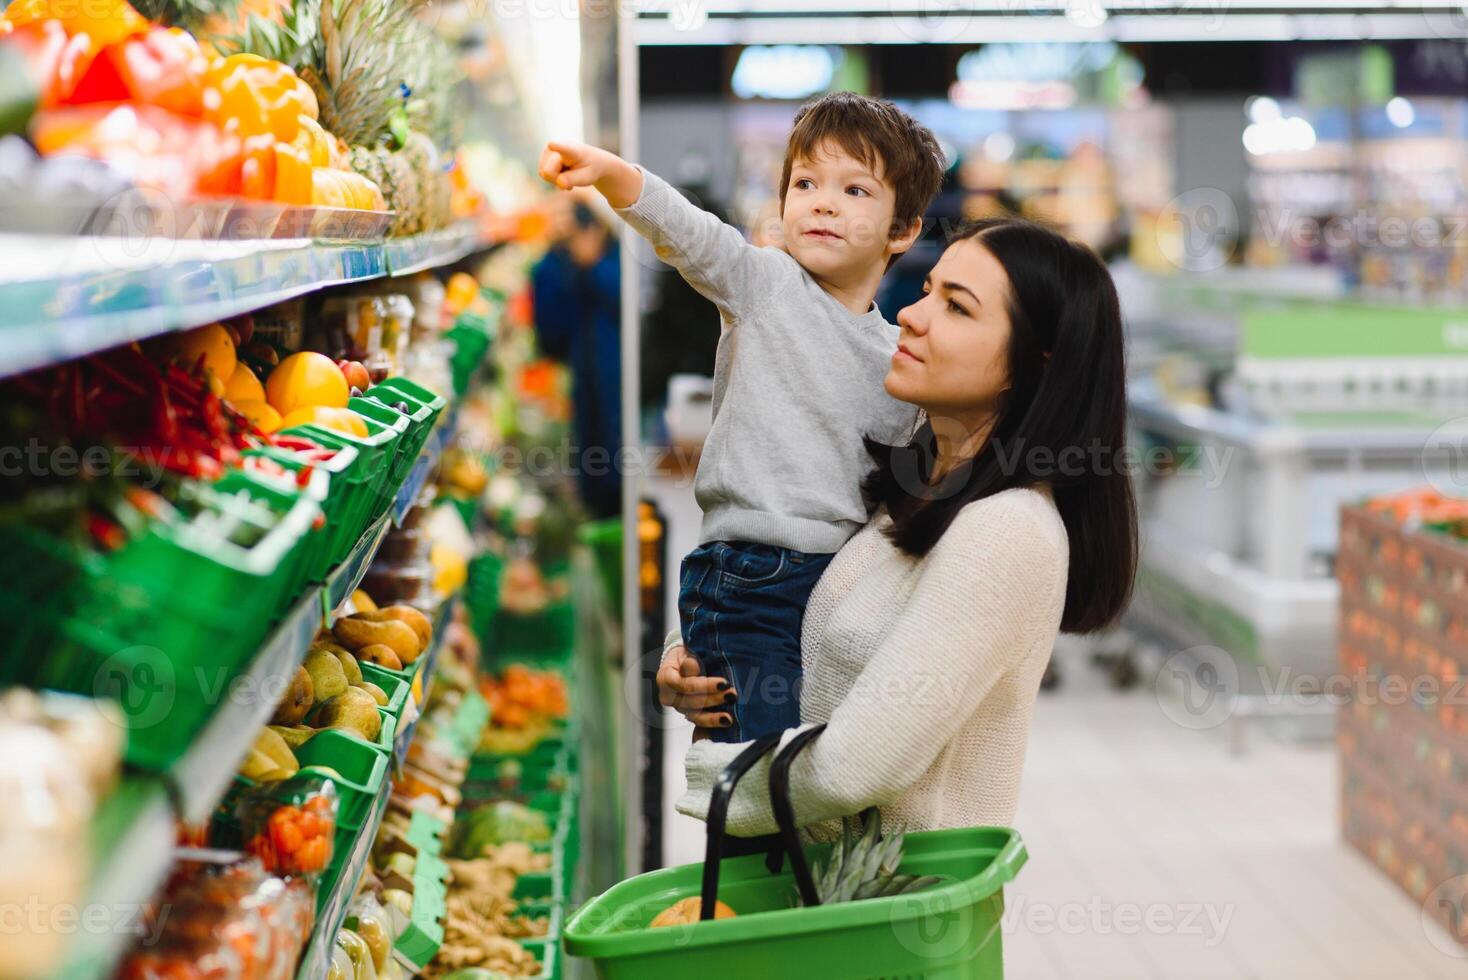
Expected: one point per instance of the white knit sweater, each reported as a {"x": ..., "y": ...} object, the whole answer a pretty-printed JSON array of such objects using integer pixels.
[{"x": 926, "y": 672}]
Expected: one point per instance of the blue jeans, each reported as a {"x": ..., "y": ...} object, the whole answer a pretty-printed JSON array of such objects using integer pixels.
[{"x": 741, "y": 605}]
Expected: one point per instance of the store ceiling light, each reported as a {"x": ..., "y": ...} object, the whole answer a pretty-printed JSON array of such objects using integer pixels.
[
  {"x": 1263, "y": 109},
  {"x": 1400, "y": 113},
  {"x": 786, "y": 71},
  {"x": 1291, "y": 134}
]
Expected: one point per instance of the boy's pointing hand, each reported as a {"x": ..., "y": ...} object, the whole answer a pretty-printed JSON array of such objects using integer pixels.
[{"x": 568, "y": 165}]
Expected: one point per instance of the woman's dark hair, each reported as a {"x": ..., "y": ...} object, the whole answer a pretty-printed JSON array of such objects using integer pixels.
[{"x": 1061, "y": 423}]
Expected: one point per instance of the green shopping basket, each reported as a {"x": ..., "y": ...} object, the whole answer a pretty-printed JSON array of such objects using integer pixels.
[{"x": 948, "y": 931}]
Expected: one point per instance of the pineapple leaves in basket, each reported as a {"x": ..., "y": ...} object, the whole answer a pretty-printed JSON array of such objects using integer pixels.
[{"x": 863, "y": 864}]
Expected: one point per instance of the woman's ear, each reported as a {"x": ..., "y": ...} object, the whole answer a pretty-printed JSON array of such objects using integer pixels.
[{"x": 903, "y": 241}]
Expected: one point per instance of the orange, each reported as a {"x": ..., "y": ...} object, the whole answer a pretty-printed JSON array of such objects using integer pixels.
[
  {"x": 304, "y": 380},
  {"x": 243, "y": 386},
  {"x": 259, "y": 412},
  {"x": 213, "y": 343},
  {"x": 340, "y": 419}
]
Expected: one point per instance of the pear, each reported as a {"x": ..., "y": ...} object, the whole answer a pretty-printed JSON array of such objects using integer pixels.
[
  {"x": 381, "y": 655},
  {"x": 257, "y": 765},
  {"x": 326, "y": 674},
  {"x": 378, "y": 694},
  {"x": 354, "y": 710},
  {"x": 350, "y": 667},
  {"x": 419, "y": 623},
  {"x": 270, "y": 743},
  {"x": 297, "y": 701},
  {"x": 294, "y": 736},
  {"x": 356, "y": 633}
]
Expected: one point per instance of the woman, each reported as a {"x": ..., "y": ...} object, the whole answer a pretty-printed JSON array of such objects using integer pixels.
[{"x": 1007, "y": 519}]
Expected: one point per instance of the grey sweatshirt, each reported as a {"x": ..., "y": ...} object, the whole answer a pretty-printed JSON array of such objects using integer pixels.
[{"x": 797, "y": 383}]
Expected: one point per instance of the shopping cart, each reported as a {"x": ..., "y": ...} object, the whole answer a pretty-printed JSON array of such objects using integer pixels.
[{"x": 949, "y": 931}]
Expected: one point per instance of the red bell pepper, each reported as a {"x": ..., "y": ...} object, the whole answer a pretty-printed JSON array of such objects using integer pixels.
[{"x": 164, "y": 67}]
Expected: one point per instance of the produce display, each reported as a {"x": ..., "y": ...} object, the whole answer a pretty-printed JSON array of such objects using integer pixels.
[
  {"x": 307, "y": 105},
  {"x": 1403, "y": 571}
]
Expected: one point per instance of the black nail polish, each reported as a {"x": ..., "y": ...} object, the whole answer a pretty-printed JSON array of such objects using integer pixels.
[
  {"x": 723, "y": 686},
  {"x": 730, "y": 698},
  {"x": 725, "y": 722}
]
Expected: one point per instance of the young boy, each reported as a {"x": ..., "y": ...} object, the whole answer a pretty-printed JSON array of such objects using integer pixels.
[{"x": 797, "y": 378}]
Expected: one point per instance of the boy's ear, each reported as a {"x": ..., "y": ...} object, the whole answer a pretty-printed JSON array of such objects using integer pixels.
[{"x": 903, "y": 241}]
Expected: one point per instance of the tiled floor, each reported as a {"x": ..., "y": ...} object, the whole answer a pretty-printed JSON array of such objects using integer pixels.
[{"x": 1155, "y": 852}]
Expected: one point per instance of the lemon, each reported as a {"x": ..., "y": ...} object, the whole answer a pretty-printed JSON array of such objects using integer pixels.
[
  {"x": 258, "y": 410},
  {"x": 338, "y": 419}
]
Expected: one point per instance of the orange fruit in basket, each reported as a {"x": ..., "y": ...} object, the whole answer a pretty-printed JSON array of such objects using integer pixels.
[
  {"x": 212, "y": 343},
  {"x": 339, "y": 419},
  {"x": 306, "y": 380},
  {"x": 243, "y": 386},
  {"x": 258, "y": 411}
]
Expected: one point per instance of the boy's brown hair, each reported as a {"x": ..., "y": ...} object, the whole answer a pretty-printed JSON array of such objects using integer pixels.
[{"x": 874, "y": 132}]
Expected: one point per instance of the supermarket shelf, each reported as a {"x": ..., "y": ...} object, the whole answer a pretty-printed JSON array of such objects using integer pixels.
[
  {"x": 429, "y": 661},
  {"x": 204, "y": 772},
  {"x": 405, "y": 256},
  {"x": 63, "y": 297},
  {"x": 412, "y": 486},
  {"x": 317, "y": 957},
  {"x": 132, "y": 839},
  {"x": 343, "y": 581}
]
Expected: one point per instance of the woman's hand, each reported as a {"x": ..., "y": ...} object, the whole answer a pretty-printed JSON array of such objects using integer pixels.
[{"x": 682, "y": 687}]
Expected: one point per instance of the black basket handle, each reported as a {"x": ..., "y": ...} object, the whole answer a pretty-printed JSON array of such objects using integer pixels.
[
  {"x": 785, "y": 813},
  {"x": 718, "y": 814}
]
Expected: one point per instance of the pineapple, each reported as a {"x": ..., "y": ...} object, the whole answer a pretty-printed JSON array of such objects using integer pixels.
[
  {"x": 406, "y": 196},
  {"x": 420, "y": 152},
  {"x": 865, "y": 866}
]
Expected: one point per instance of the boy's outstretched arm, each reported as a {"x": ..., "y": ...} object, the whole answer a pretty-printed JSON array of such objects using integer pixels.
[
  {"x": 712, "y": 256},
  {"x": 569, "y": 165}
]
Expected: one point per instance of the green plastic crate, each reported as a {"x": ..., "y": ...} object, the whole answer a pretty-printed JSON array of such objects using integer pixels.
[
  {"x": 548, "y": 634},
  {"x": 281, "y": 495},
  {"x": 406, "y": 443},
  {"x": 482, "y": 593},
  {"x": 419, "y": 419},
  {"x": 392, "y": 684},
  {"x": 604, "y": 539},
  {"x": 345, "y": 499},
  {"x": 376, "y": 449},
  {"x": 166, "y": 622},
  {"x": 394, "y": 389},
  {"x": 471, "y": 342},
  {"x": 950, "y": 930},
  {"x": 36, "y": 605}
]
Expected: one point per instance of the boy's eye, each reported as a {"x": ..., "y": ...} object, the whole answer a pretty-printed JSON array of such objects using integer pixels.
[
  {"x": 802, "y": 183},
  {"x": 858, "y": 191}
]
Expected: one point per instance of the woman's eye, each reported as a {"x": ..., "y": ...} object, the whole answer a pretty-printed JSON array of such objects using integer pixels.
[{"x": 954, "y": 307}]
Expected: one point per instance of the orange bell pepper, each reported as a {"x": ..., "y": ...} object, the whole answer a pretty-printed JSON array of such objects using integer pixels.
[
  {"x": 164, "y": 67},
  {"x": 293, "y": 176},
  {"x": 252, "y": 96},
  {"x": 103, "y": 21},
  {"x": 257, "y": 173},
  {"x": 153, "y": 146}
]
